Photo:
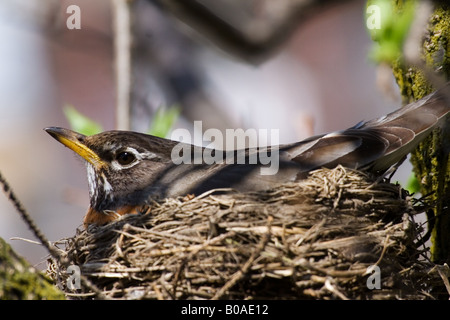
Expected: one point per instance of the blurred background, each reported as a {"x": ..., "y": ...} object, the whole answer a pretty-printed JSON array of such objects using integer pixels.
[{"x": 317, "y": 79}]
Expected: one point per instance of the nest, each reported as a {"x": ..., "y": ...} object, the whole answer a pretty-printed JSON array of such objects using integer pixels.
[{"x": 339, "y": 234}]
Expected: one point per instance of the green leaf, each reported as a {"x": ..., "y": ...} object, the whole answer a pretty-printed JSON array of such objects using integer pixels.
[
  {"x": 163, "y": 121},
  {"x": 81, "y": 123},
  {"x": 413, "y": 185}
]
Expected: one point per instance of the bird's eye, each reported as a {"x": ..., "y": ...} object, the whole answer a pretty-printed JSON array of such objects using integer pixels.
[{"x": 125, "y": 158}]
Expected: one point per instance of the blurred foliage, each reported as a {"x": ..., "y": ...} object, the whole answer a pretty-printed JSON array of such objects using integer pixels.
[
  {"x": 160, "y": 126},
  {"x": 413, "y": 184},
  {"x": 163, "y": 121},
  {"x": 388, "y": 27},
  {"x": 80, "y": 123}
]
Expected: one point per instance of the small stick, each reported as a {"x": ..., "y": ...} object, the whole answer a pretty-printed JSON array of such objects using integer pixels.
[
  {"x": 122, "y": 52},
  {"x": 52, "y": 249}
]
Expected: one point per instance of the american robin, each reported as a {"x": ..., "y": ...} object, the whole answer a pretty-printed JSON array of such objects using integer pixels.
[{"x": 126, "y": 169}]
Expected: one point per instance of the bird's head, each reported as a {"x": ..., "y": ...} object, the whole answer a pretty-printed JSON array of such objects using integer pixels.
[{"x": 120, "y": 164}]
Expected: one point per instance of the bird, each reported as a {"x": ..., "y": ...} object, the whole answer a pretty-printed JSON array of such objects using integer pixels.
[{"x": 127, "y": 169}]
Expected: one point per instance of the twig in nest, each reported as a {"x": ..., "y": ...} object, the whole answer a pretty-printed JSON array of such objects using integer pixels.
[
  {"x": 195, "y": 251},
  {"x": 444, "y": 274},
  {"x": 26, "y": 240},
  {"x": 330, "y": 287},
  {"x": 241, "y": 273}
]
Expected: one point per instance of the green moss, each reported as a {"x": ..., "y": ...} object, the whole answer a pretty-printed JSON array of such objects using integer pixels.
[
  {"x": 436, "y": 46},
  {"x": 411, "y": 81},
  {"x": 20, "y": 281}
]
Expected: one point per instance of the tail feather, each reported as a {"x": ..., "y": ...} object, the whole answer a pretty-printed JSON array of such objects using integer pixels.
[{"x": 377, "y": 144}]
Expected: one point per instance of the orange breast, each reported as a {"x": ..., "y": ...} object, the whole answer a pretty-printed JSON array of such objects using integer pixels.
[{"x": 101, "y": 218}]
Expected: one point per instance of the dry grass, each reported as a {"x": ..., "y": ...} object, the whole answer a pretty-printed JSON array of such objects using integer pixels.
[{"x": 311, "y": 240}]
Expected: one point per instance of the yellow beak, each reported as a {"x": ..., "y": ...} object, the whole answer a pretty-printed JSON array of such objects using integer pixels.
[{"x": 74, "y": 141}]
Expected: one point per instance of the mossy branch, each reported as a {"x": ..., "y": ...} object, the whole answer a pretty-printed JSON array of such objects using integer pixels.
[{"x": 431, "y": 158}]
